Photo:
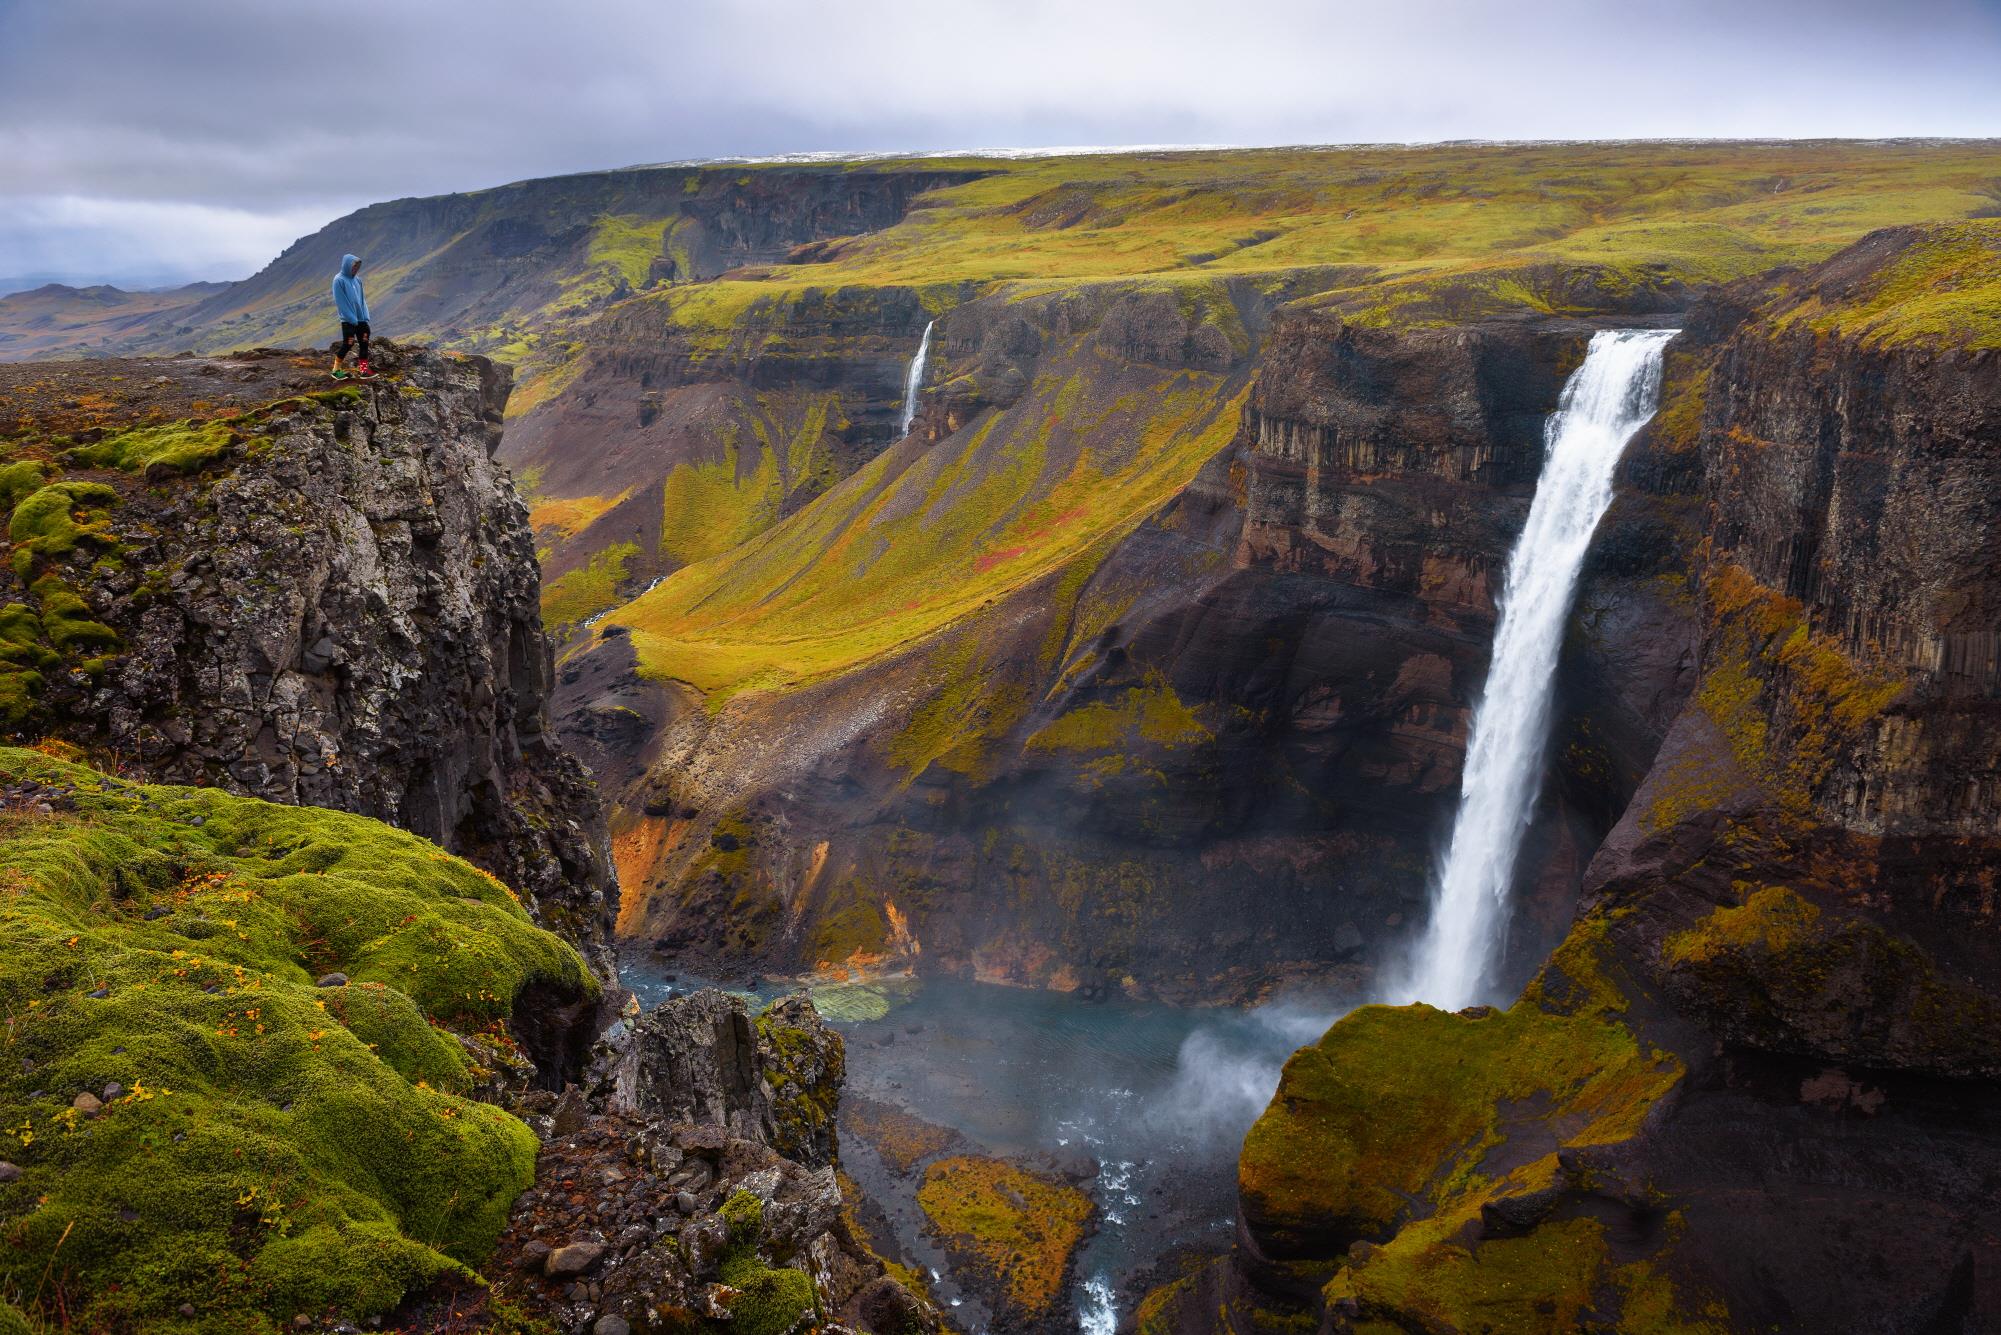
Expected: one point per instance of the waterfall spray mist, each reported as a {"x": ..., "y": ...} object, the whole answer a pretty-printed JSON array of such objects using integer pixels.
[
  {"x": 1606, "y": 401},
  {"x": 913, "y": 381}
]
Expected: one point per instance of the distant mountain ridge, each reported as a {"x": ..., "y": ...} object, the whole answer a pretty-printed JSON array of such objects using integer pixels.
[{"x": 60, "y": 319}]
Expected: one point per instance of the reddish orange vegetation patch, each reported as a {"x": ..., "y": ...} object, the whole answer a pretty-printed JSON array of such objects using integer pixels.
[
  {"x": 991, "y": 559},
  {"x": 903, "y": 1139},
  {"x": 636, "y": 851}
]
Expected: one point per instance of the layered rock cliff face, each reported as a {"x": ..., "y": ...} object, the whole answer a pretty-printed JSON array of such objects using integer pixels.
[
  {"x": 229, "y": 573},
  {"x": 1260, "y": 679},
  {"x": 1755, "y": 1087}
]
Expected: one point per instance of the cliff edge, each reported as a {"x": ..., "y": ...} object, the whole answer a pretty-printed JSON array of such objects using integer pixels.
[{"x": 233, "y": 572}]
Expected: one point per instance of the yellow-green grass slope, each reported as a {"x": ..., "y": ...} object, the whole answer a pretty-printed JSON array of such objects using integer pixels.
[
  {"x": 276, "y": 1147},
  {"x": 1942, "y": 290},
  {"x": 770, "y": 448},
  {"x": 922, "y": 538}
]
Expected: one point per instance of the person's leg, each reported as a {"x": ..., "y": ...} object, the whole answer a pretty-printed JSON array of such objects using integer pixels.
[
  {"x": 346, "y": 341},
  {"x": 361, "y": 331}
]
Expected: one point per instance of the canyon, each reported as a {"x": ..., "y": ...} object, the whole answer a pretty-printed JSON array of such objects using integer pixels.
[{"x": 1074, "y": 580}]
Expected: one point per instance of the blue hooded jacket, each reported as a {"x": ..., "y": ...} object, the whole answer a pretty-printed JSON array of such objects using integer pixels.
[{"x": 347, "y": 295}]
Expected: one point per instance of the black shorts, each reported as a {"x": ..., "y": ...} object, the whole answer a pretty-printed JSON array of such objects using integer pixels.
[{"x": 348, "y": 331}]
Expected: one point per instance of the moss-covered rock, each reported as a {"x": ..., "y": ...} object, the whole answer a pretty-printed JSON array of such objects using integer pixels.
[
  {"x": 265, "y": 1146},
  {"x": 1402, "y": 1113},
  {"x": 1013, "y": 1233},
  {"x": 1437, "y": 1169},
  {"x": 761, "y": 1298}
]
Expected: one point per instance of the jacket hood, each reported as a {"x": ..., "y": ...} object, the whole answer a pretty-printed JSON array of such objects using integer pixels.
[{"x": 347, "y": 264}]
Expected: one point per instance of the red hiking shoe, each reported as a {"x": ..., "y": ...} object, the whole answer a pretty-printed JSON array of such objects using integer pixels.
[{"x": 363, "y": 372}]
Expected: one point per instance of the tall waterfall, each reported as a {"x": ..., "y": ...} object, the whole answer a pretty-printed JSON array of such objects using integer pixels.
[
  {"x": 913, "y": 380},
  {"x": 1606, "y": 401}
]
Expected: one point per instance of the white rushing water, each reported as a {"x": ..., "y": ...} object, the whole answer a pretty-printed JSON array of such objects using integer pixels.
[
  {"x": 1606, "y": 401},
  {"x": 1099, "y": 1314},
  {"x": 913, "y": 380}
]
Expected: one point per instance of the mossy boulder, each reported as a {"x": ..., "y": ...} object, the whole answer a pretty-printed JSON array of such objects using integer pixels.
[
  {"x": 266, "y": 1146},
  {"x": 1402, "y": 1113},
  {"x": 1474, "y": 1171},
  {"x": 762, "y": 1299}
]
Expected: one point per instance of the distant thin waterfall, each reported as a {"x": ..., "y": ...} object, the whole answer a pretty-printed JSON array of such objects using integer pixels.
[
  {"x": 913, "y": 380},
  {"x": 1606, "y": 401}
]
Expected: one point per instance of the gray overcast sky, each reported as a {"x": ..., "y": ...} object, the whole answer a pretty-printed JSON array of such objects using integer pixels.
[{"x": 151, "y": 141}]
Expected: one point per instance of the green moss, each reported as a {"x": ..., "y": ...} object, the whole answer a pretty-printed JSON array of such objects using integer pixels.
[
  {"x": 23, "y": 655},
  {"x": 1789, "y": 699},
  {"x": 959, "y": 726},
  {"x": 743, "y": 1215},
  {"x": 806, "y": 1075},
  {"x": 767, "y": 1299},
  {"x": 66, "y": 619},
  {"x": 1942, "y": 290},
  {"x": 53, "y": 521},
  {"x": 1401, "y": 1124},
  {"x": 1014, "y": 1229},
  {"x": 1771, "y": 918},
  {"x": 20, "y": 479},
  {"x": 628, "y": 244},
  {"x": 1396, "y": 1109},
  {"x": 177, "y": 447},
  {"x": 279, "y": 1147},
  {"x": 708, "y": 508},
  {"x": 1559, "y": 1277},
  {"x": 850, "y": 924},
  {"x": 1678, "y": 424},
  {"x": 1782, "y": 972},
  {"x": 1149, "y": 713}
]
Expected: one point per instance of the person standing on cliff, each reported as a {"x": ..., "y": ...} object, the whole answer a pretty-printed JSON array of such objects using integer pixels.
[{"x": 351, "y": 305}]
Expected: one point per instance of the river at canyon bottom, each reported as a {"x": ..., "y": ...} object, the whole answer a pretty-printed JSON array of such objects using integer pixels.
[{"x": 1157, "y": 1097}]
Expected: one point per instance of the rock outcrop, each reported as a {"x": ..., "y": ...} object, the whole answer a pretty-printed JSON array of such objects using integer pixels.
[
  {"x": 706, "y": 1133},
  {"x": 1756, "y": 1087},
  {"x": 704, "y": 1059},
  {"x": 231, "y": 572}
]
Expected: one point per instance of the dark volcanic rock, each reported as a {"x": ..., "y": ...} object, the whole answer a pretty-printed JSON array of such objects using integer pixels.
[
  {"x": 704, "y": 1059},
  {"x": 643, "y": 1251}
]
